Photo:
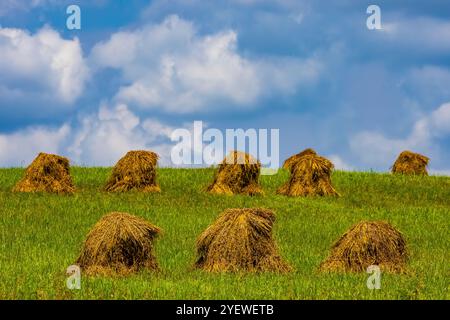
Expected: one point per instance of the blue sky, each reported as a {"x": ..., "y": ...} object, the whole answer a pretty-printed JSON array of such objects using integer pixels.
[{"x": 139, "y": 69}]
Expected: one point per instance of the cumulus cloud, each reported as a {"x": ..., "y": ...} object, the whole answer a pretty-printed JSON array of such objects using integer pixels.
[
  {"x": 440, "y": 172},
  {"x": 97, "y": 139},
  {"x": 420, "y": 33},
  {"x": 40, "y": 68},
  {"x": 374, "y": 148},
  {"x": 104, "y": 137},
  {"x": 19, "y": 148},
  {"x": 170, "y": 66},
  {"x": 339, "y": 163}
]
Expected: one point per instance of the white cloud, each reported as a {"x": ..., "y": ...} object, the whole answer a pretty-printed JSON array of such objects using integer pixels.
[
  {"x": 104, "y": 137},
  {"x": 171, "y": 67},
  {"x": 339, "y": 163},
  {"x": 376, "y": 149},
  {"x": 439, "y": 121},
  {"x": 19, "y": 148},
  {"x": 440, "y": 172},
  {"x": 98, "y": 139},
  {"x": 419, "y": 33},
  {"x": 43, "y": 66}
]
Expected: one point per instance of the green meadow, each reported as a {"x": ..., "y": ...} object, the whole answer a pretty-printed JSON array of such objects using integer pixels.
[{"x": 42, "y": 234}]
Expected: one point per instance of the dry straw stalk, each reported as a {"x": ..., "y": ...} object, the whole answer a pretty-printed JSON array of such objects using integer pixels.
[
  {"x": 368, "y": 243},
  {"x": 119, "y": 244},
  {"x": 240, "y": 240},
  {"x": 237, "y": 174},
  {"x": 135, "y": 171},
  {"x": 310, "y": 175},
  {"x": 411, "y": 163},
  {"x": 47, "y": 173}
]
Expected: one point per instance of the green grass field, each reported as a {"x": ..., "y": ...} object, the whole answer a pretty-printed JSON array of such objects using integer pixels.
[{"x": 41, "y": 235}]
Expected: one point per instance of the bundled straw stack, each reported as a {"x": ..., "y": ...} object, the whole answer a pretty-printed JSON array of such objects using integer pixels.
[
  {"x": 47, "y": 173},
  {"x": 135, "y": 171},
  {"x": 119, "y": 244},
  {"x": 240, "y": 240},
  {"x": 368, "y": 243},
  {"x": 310, "y": 174},
  {"x": 411, "y": 163},
  {"x": 296, "y": 157},
  {"x": 237, "y": 174}
]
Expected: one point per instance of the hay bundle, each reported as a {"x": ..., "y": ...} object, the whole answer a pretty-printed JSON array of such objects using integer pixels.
[
  {"x": 119, "y": 244},
  {"x": 310, "y": 175},
  {"x": 47, "y": 173},
  {"x": 237, "y": 174},
  {"x": 135, "y": 171},
  {"x": 296, "y": 157},
  {"x": 411, "y": 163},
  {"x": 240, "y": 240},
  {"x": 368, "y": 243}
]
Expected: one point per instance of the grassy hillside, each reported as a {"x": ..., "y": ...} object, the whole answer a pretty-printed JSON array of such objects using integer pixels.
[{"x": 42, "y": 234}]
